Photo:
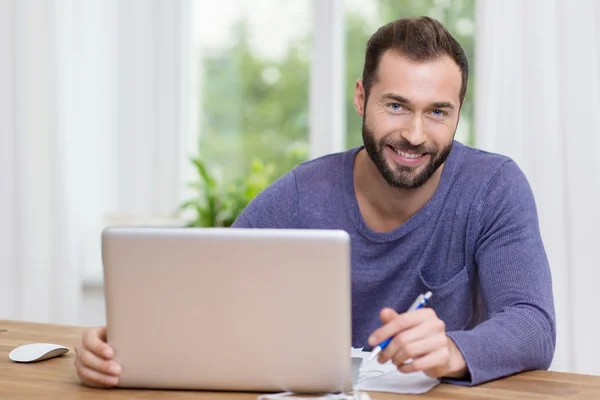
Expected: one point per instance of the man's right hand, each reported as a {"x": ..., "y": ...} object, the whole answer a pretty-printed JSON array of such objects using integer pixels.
[{"x": 93, "y": 361}]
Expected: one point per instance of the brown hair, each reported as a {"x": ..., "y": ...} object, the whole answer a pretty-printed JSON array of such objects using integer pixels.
[{"x": 420, "y": 39}]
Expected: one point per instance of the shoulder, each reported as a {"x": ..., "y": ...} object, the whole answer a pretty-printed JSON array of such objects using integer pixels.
[
  {"x": 480, "y": 165},
  {"x": 485, "y": 173},
  {"x": 278, "y": 205},
  {"x": 274, "y": 207},
  {"x": 499, "y": 187},
  {"x": 323, "y": 170}
]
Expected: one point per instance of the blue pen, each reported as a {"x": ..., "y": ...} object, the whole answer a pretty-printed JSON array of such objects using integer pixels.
[{"x": 419, "y": 302}]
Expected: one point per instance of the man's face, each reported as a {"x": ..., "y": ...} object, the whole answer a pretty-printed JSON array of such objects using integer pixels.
[{"x": 410, "y": 117}]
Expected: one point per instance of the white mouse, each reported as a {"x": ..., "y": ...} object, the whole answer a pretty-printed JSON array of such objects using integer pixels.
[{"x": 37, "y": 352}]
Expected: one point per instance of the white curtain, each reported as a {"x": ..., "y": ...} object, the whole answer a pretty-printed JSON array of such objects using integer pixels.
[
  {"x": 134, "y": 114},
  {"x": 38, "y": 270},
  {"x": 93, "y": 123},
  {"x": 538, "y": 101}
]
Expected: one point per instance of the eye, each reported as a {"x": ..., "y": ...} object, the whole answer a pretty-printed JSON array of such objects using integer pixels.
[
  {"x": 439, "y": 113},
  {"x": 395, "y": 107}
]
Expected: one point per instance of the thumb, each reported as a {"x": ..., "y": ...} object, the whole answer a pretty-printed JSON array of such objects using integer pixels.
[
  {"x": 388, "y": 314},
  {"x": 102, "y": 333},
  {"x": 107, "y": 351}
]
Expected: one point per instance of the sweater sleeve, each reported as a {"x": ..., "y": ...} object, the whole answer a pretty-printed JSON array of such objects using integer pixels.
[
  {"x": 519, "y": 333},
  {"x": 275, "y": 207}
]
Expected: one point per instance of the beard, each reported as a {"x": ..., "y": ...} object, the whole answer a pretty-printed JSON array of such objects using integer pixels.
[{"x": 402, "y": 176}]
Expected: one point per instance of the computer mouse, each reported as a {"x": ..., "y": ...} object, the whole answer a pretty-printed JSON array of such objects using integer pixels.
[{"x": 37, "y": 352}]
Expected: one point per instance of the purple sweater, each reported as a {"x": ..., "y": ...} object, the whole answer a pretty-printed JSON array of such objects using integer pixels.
[{"x": 475, "y": 245}]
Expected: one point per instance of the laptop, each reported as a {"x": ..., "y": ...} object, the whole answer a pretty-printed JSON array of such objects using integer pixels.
[{"x": 223, "y": 309}]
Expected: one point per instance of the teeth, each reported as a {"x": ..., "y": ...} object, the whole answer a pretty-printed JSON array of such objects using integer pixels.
[{"x": 408, "y": 155}]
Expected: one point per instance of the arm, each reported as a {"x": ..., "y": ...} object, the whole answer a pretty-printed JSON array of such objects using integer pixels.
[
  {"x": 275, "y": 207},
  {"x": 515, "y": 280}
]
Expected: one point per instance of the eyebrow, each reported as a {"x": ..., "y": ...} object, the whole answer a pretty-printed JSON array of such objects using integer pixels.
[{"x": 404, "y": 100}]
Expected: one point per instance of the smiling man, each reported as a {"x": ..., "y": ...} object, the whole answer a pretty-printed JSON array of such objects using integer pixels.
[
  {"x": 427, "y": 213},
  {"x": 424, "y": 213}
]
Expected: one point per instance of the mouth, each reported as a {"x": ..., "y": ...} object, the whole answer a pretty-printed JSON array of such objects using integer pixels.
[{"x": 406, "y": 158}]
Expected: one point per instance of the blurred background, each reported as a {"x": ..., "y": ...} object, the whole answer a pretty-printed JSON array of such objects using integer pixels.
[{"x": 179, "y": 112}]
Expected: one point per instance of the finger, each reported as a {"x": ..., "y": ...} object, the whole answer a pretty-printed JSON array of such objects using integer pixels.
[
  {"x": 94, "y": 340},
  {"x": 419, "y": 348},
  {"x": 387, "y": 315},
  {"x": 399, "y": 323},
  {"x": 432, "y": 363},
  {"x": 92, "y": 361},
  {"x": 405, "y": 338},
  {"x": 93, "y": 378}
]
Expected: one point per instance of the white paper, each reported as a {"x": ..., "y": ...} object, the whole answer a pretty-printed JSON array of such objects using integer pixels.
[
  {"x": 376, "y": 377},
  {"x": 373, "y": 377}
]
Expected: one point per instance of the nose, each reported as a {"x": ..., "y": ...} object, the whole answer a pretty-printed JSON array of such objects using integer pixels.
[{"x": 414, "y": 132}]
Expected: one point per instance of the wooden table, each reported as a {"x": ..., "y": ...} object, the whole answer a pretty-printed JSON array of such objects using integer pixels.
[{"x": 56, "y": 378}]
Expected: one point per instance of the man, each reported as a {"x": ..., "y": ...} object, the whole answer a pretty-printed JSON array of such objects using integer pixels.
[{"x": 424, "y": 213}]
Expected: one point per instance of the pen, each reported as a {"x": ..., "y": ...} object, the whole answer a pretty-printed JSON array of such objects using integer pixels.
[{"x": 421, "y": 300}]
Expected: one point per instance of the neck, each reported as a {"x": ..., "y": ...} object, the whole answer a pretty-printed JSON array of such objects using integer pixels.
[{"x": 382, "y": 206}]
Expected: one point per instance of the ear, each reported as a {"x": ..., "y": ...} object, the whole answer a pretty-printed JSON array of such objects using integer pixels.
[{"x": 359, "y": 98}]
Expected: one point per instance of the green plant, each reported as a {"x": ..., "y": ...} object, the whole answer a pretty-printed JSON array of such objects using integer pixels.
[{"x": 218, "y": 202}]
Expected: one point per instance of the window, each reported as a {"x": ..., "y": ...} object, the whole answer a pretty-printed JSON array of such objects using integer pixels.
[
  {"x": 364, "y": 17},
  {"x": 252, "y": 65}
]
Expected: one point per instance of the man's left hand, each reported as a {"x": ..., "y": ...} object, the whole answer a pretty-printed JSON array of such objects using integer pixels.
[{"x": 419, "y": 336}]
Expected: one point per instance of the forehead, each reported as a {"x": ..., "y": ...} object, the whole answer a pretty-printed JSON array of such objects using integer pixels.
[{"x": 435, "y": 80}]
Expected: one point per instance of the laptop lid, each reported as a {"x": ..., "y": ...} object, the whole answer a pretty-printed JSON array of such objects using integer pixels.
[{"x": 229, "y": 309}]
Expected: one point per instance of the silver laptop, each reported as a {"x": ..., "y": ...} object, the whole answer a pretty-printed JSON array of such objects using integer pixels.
[{"x": 230, "y": 309}]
